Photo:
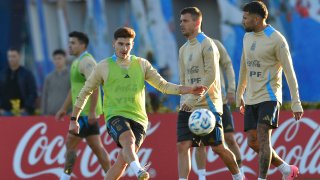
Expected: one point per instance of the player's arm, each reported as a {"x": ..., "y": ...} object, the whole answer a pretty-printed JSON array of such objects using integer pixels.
[
  {"x": 86, "y": 68},
  {"x": 63, "y": 110},
  {"x": 156, "y": 80},
  {"x": 242, "y": 83},
  {"x": 283, "y": 55},
  {"x": 92, "y": 83},
  {"x": 227, "y": 67}
]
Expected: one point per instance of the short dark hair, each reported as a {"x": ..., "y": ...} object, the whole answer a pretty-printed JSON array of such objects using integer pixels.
[
  {"x": 256, "y": 7},
  {"x": 59, "y": 52},
  {"x": 194, "y": 11},
  {"x": 17, "y": 49},
  {"x": 82, "y": 37},
  {"x": 124, "y": 32}
]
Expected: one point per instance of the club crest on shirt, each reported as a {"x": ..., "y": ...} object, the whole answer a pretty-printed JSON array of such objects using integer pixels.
[{"x": 253, "y": 46}]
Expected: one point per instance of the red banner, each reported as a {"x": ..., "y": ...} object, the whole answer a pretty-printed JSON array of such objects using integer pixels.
[{"x": 34, "y": 148}]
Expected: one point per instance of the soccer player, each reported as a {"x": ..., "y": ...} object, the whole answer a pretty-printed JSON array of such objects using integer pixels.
[
  {"x": 199, "y": 65},
  {"x": 265, "y": 54},
  {"x": 81, "y": 69},
  {"x": 228, "y": 88},
  {"x": 122, "y": 77}
]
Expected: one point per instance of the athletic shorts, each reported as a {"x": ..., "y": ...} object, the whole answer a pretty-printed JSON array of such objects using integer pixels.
[
  {"x": 87, "y": 129},
  {"x": 265, "y": 112},
  {"x": 227, "y": 119},
  {"x": 214, "y": 138},
  {"x": 118, "y": 124}
]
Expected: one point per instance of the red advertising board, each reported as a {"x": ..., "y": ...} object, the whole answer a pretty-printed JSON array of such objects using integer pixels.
[{"x": 33, "y": 148}]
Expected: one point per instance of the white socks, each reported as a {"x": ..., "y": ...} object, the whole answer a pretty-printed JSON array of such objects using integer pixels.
[
  {"x": 202, "y": 174},
  {"x": 65, "y": 176},
  {"x": 135, "y": 166},
  {"x": 284, "y": 168},
  {"x": 238, "y": 176}
]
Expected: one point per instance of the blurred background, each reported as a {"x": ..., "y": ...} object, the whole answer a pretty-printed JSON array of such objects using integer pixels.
[{"x": 39, "y": 27}]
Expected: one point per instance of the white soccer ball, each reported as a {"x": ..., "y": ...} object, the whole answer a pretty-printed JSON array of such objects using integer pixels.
[{"x": 202, "y": 122}]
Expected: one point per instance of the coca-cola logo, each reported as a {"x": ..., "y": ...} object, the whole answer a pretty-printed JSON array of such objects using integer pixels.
[
  {"x": 51, "y": 151},
  {"x": 305, "y": 154}
]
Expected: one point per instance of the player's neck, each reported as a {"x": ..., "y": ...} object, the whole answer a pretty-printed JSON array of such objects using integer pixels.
[
  {"x": 80, "y": 53},
  {"x": 260, "y": 27},
  {"x": 194, "y": 35}
]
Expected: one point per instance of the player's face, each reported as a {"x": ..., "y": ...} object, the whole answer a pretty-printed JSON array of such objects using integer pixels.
[
  {"x": 59, "y": 61},
  {"x": 75, "y": 46},
  {"x": 249, "y": 21},
  {"x": 187, "y": 25},
  {"x": 123, "y": 47},
  {"x": 13, "y": 59}
]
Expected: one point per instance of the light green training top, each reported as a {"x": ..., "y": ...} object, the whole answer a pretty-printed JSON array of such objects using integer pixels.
[
  {"x": 125, "y": 92},
  {"x": 78, "y": 80}
]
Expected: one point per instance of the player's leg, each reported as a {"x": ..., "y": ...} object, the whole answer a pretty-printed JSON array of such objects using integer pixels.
[
  {"x": 251, "y": 124},
  {"x": 201, "y": 158},
  {"x": 184, "y": 142},
  {"x": 264, "y": 139},
  {"x": 70, "y": 156},
  {"x": 94, "y": 141},
  {"x": 184, "y": 161},
  {"x": 117, "y": 169},
  {"x": 95, "y": 144},
  {"x": 234, "y": 147},
  {"x": 129, "y": 135},
  {"x": 228, "y": 129},
  {"x": 219, "y": 148}
]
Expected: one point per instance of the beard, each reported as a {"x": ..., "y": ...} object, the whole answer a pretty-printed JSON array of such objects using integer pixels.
[{"x": 248, "y": 29}]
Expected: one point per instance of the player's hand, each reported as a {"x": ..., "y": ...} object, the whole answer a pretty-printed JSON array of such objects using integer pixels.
[
  {"x": 297, "y": 115},
  {"x": 199, "y": 90},
  {"x": 231, "y": 98},
  {"x": 241, "y": 108},
  {"x": 196, "y": 90},
  {"x": 185, "y": 107},
  {"x": 60, "y": 114},
  {"x": 74, "y": 127}
]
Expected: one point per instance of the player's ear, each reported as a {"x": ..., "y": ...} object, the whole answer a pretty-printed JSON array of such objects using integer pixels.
[{"x": 198, "y": 22}]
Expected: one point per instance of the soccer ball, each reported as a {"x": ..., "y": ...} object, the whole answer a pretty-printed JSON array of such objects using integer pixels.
[{"x": 202, "y": 122}]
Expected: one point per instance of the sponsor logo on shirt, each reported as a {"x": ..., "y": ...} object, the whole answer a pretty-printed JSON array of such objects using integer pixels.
[
  {"x": 253, "y": 63},
  {"x": 193, "y": 69}
]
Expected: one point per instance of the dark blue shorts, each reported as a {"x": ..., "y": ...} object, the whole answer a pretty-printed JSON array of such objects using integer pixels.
[
  {"x": 87, "y": 129},
  {"x": 265, "y": 112},
  {"x": 184, "y": 134},
  {"x": 118, "y": 124}
]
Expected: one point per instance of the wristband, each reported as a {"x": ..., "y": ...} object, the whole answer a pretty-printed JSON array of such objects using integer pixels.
[{"x": 73, "y": 118}]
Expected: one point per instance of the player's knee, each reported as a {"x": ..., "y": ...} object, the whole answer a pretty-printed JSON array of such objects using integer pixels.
[
  {"x": 220, "y": 149},
  {"x": 201, "y": 149},
  {"x": 253, "y": 144},
  {"x": 183, "y": 146},
  {"x": 229, "y": 139},
  {"x": 127, "y": 140}
]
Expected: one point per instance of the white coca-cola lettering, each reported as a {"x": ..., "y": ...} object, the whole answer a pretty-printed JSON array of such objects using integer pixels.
[
  {"x": 39, "y": 152},
  {"x": 42, "y": 151},
  {"x": 32, "y": 158},
  {"x": 306, "y": 157}
]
